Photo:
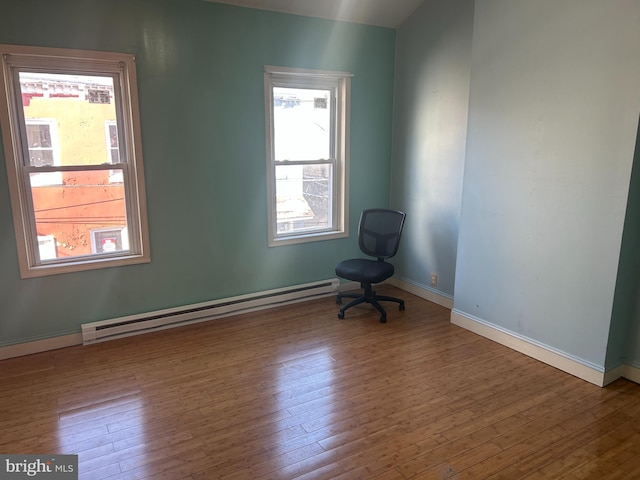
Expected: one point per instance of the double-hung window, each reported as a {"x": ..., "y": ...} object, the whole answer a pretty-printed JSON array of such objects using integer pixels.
[
  {"x": 307, "y": 120},
  {"x": 71, "y": 134}
]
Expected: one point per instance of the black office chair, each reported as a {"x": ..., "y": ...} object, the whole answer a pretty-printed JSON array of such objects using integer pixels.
[{"x": 378, "y": 236}]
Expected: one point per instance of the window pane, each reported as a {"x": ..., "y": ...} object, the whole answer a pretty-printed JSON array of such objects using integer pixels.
[
  {"x": 303, "y": 197},
  {"x": 302, "y": 124},
  {"x": 78, "y": 104},
  {"x": 70, "y": 213}
]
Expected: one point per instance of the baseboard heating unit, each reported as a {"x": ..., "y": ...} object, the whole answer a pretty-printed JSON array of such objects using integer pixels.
[{"x": 173, "y": 317}]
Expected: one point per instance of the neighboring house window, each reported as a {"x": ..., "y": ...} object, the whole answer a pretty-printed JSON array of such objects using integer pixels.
[
  {"x": 307, "y": 131},
  {"x": 47, "y": 247},
  {"x": 113, "y": 149},
  {"x": 108, "y": 240},
  {"x": 73, "y": 210},
  {"x": 113, "y": 146},
  {"x": 42, "y": 142}
]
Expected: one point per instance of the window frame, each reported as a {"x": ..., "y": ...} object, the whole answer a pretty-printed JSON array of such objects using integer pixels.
[
  {"x": 340, "y": 83},
  {"x": 121, "y": 67}
]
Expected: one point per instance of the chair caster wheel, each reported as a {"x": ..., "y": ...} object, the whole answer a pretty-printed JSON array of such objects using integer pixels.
[
  {"x": 383, "y": 319},
  {"x": 402, "y": 307},
  {"x": 340, "y": 315}
]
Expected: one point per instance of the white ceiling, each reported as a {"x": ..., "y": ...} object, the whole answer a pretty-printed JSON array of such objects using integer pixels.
[{"x": 384, "y": 13}]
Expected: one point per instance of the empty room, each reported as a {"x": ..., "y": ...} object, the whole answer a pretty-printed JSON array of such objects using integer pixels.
[{"x": 191, "y": 191}]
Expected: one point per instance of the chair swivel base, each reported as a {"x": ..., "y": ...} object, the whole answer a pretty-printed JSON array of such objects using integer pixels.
[{"x": 369, "y": 296}]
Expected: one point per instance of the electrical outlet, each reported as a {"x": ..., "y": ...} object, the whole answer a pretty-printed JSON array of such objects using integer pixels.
[{"x": 434, "y": 279}]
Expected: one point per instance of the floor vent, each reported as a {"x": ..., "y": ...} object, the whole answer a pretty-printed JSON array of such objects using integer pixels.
[{"x": 148, "y": 322}]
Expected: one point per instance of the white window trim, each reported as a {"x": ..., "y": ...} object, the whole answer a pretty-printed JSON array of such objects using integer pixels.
[
  {"x": 86, "y": 62},
  {"x": 301, "y": 77}
]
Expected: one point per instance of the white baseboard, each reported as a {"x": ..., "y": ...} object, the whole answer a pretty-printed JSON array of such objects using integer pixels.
[
  {"x": 415, "y": 289},
  {"x": 53, "y": 343},
  {"x": 542, "y": 353},
  {"x": 423, "y": 292},
  {"x": 614, "y": 374},
  {"x": 62, "y": 341},
  {"x": 631, "y": 373},
  {"x": 539, "y": 352},
  {"x": 38, "y": 346}
]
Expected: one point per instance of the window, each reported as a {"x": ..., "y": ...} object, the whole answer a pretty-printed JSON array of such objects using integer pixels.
[
  {"x": 77, "y": 200},
  {"x": 307, "y": 119}
]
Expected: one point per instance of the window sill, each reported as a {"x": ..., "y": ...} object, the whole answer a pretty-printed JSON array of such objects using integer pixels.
[
  {"x": 306, "y": 238},
  {"x": 80, "y": 266}
]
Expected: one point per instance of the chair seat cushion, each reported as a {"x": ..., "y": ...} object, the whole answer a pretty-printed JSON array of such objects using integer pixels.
[{"x": 364, "y": 270}]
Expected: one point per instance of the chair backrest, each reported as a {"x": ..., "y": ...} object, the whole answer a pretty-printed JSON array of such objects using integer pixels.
[{"x": 380, "y": 231}]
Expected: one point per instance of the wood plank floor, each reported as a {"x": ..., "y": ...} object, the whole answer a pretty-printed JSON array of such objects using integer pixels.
[{"x": 294, "y": 392}]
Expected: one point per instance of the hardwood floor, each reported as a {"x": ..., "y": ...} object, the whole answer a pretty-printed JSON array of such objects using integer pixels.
[{"x": 294, "y": 392}]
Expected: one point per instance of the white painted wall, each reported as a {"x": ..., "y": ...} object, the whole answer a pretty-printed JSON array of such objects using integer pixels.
[{"x": 553, "y": 113}]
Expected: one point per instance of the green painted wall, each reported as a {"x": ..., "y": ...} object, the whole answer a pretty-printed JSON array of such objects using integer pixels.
[
  {"x": 200, "y": 81},
  {"x": 433, "y": 68},
  {"x": 624, "y": 336}
]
